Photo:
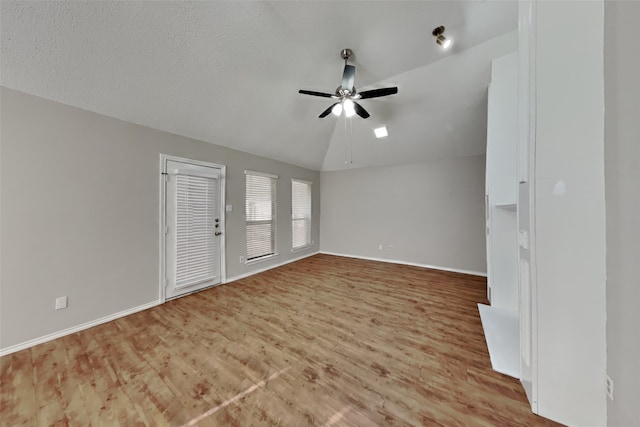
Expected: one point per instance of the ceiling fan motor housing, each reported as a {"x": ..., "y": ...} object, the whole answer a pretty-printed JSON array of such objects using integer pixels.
[{"x": 343, "y": 92}]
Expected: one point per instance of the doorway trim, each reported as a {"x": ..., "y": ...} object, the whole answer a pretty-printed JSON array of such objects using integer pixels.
[{"x": 162, "y": 223}]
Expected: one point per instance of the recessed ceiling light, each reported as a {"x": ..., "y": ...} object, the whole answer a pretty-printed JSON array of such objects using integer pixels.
[{"x": 381, "y": 132}]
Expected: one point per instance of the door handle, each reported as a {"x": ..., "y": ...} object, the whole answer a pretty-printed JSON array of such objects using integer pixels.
[{"x": 218, "y": 233}]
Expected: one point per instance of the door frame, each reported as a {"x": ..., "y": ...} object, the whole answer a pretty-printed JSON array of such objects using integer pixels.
[
  {"x": 162, "y": 223},
  {"x": 527, "y": 104}
]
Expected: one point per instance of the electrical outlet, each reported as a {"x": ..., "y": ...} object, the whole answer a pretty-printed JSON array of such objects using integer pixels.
[
  {"x": 241, "y": 260},
  {"x": 609, "y": 388},
  {"x": 380, "y": 247},
  {"x": 61, "y": 303}
]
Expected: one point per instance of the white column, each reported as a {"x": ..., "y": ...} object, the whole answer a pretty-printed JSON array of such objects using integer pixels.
[{"x": 569, "y": 212}]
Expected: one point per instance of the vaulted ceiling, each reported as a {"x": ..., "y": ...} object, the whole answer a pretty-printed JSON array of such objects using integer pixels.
[{"x": 228, "y": 72}]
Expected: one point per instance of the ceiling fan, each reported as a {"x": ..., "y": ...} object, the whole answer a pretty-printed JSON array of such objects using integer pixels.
[{"x": 346, "y": 94}]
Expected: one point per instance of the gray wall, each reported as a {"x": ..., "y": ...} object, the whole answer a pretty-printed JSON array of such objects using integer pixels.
[
  {"x": 79, "y": 213},
  {"x": 622, "y": 169},
  {"x": 432, "y": 213}
]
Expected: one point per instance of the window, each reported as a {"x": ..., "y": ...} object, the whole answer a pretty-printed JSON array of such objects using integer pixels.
[
  {"x": 260, "y": 209},
  {"x": 300, "y": 214}
]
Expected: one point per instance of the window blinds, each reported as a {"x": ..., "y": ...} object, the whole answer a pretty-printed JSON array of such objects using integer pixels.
[
  {"x": 300, "y": 213},
  {"x": 196, "y": 214},
  {"x": 260, "y": 211}
]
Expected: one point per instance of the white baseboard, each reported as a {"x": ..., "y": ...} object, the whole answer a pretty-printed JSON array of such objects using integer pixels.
[
  {"x": 415, "y": 264},
  {"x": 261, "y": 270},
  {"x": 87, "y": 325},
  {"x": 74, "y": 329}
]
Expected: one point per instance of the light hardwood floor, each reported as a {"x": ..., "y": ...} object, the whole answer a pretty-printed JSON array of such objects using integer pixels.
[{"x": 323, "y": 341}]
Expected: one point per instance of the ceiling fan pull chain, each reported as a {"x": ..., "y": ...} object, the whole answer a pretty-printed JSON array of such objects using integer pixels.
[
  {"x": 350, "y": 142},
  {"x": 346, "y": 144}
]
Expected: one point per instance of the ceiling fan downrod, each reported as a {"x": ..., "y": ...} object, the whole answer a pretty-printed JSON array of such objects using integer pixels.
[{"x": 346, "y": 54}]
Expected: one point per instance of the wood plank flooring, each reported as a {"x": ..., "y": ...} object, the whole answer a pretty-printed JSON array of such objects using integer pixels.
[{"x": 326, "y": 341}]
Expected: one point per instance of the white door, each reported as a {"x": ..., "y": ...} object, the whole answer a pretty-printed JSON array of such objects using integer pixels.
[{"x": 194, "y": 223}]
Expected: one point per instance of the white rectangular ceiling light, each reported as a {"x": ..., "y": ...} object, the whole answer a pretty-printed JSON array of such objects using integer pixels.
[{"x": 381, "y": 132}]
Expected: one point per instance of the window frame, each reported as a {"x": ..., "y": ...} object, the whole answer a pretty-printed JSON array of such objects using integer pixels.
[
  {"x": 310, "y": 242},
  {"x": 273, "y": 221}
]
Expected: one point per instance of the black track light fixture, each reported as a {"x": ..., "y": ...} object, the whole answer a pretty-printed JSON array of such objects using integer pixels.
[{"x": 441, "y": 40}]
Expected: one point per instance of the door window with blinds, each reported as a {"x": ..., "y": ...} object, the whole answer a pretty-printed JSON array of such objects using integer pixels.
[
  {"x": 300, "y": 214},
  {"x": 196, "y": 216},
  {"x": 193, "y": 226},
  {"x": 260, "y": 209}
]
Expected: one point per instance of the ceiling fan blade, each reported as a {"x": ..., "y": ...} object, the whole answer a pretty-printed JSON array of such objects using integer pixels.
[
  {"x": 348, "y": 77},
  {"x": 310, "y": 92},
  {"x": 361, "y": 111},
  {"x": 376, "y": 93},
  {"x": 326, "y": 112}
]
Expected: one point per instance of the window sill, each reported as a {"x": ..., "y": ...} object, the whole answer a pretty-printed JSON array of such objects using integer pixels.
[
  {"x": 261, "y": 259},
  {"x": 302, "y": 248}
]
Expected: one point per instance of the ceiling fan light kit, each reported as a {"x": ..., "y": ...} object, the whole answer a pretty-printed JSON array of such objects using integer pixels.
[
  {"x": 346, "y": 94},
  {"x": 348, "y": 107}
]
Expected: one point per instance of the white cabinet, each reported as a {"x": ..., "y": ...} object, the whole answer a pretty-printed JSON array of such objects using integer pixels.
[
  {"x": 501, "y": 183},
  {"x": 546, "y": 262},
  {"x": 500, "y": 319}
]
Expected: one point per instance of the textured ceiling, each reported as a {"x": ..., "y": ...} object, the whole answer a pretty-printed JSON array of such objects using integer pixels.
[{"x": 228, "y": 72}]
